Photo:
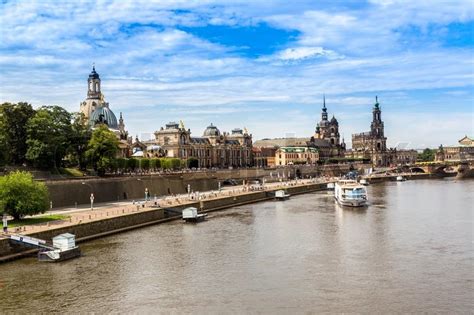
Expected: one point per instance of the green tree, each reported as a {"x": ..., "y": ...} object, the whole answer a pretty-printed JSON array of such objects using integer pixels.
[
  {"x": 165, "y": 163},
  {"x": 102, "y": 149},
  {"x": 427, "y": 155},
  {"x": 175, "y": 163},
  {"x": 155, "y": 164},
  {"x": 132, "y": 164},
  {"x": 145, "y": 164},
  {"x": 122, "y": 164},
  {"x": 79, "y": 138},
  {"x": 193, "y": 163},
  {"x": 13, "y": 135},
  {"x": 48, "y": 133},
  {"x": 21, "y": 195}
]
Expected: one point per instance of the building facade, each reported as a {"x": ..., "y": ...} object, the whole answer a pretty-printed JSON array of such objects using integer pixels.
[
  {"x": 212, "y": 149},
  {"x": 96, "y": 111},
  {"x": 326, "y": 141},
  {"x": 464, "y": 152},
  {"x": 296, "y": 155},
  {"x": 372, "y": 145}
]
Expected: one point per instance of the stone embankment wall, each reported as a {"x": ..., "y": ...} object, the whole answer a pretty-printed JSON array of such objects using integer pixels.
[
  {"x": 68, "y": 192},
  {"x": 95, "y": 229}
]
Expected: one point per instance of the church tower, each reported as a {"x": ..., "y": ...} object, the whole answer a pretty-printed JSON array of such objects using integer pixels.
[
  {"x": 324, "y": 114},
  {"x": 377, "y": 128},
  {"x": 95, "y": 98},
  {"x": 93, "y": 83}
]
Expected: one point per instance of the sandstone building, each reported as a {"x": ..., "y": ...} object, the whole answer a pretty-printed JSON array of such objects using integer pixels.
[{"x": 96, "y": 111}]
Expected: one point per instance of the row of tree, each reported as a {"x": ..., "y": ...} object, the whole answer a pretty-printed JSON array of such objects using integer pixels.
[
  {"x": 42, "y": 138},
  {"x": 51, "y": 137}
]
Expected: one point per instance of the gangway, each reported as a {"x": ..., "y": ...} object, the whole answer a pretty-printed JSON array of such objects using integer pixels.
[
  {"x": 30, "y": 241},
  {"x": 63, "y": 247}
]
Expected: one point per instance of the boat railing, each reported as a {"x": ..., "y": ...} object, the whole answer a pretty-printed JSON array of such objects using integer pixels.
[{"x": 354, "y": 196}]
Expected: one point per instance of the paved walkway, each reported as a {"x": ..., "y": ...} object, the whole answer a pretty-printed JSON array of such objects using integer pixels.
[{"x": 84, "y": 213}]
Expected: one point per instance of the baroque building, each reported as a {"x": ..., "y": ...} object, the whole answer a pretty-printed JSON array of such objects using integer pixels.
[
  {"x": 372, "y": 145},
  {"x": 96, "y": 111},
  {"x": 464, "y": 152},
  {"x": 326, "y": 141},
  {"x": 212, "y": 149}
]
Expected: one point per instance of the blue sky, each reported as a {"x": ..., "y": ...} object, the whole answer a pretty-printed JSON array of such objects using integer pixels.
[{"x": 260, "y": 64}]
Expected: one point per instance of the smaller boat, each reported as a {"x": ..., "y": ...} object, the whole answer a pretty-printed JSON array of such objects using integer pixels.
[
  {"x": 64, "y": 247},
  {"x": 401, "y": 178},
  {"x": 364, "y": 182},
  {"x": 350, "y": 193},
  {"x": 330, "y": 186},
  {"x": 281, "y": 195},
  {"x": 190, "y": 215}
]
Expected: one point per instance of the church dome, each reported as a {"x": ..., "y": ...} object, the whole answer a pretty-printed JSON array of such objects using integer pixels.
[
  {"x": 93, "y": 74},
  {"x": 211, "y": 131},
  {"x": 103, "y": 115},
  {"x": 333, "y": 120}
]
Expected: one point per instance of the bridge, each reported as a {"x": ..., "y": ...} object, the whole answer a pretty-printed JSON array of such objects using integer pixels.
[{"x": 439, "y": 168}]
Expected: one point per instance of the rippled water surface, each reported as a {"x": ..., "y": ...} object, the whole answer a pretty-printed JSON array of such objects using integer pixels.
[{"x": 411, "y": 250}]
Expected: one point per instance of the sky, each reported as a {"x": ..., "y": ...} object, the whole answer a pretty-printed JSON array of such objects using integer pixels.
[{"x": 261, "y": 64}]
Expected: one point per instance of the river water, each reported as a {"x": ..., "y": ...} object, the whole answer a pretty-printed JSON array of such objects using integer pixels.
[{"x": 411, "y": 251}]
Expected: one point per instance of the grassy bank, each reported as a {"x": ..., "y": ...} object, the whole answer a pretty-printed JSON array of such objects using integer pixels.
[{"x": 36, "y": 220}]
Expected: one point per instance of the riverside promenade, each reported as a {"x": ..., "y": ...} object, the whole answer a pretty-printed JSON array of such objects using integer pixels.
[{"x": 107, "y": 218}]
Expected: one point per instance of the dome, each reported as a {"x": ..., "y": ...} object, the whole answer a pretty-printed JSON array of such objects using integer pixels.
[
  {"x": 104, "y": 115},
  {"x": 333, "y": 120},
  {"x": 211, "y": 131},
  {"x": 93, "y": 74}
]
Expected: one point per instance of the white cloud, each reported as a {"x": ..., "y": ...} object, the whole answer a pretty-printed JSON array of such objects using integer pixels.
[
  {"x": 47, "y": 49},
  {"x": 299, "y": 53}
]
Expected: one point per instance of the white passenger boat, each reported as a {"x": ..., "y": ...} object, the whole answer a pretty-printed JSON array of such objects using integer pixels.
[
  {"x": 401, "y": 178},
  {"x": 350, "y": 193}
]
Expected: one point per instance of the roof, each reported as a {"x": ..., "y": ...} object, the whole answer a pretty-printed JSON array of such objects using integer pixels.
[
  {"x": 211, "y": 131},
  {"x": 320, "y": 143},
  {"x": 281, "y": 142},
  {"x": 93, "y": 74},
  {"x": 199, "y": 140},
  {"x": 236, "y": 142},
  {"x": 64, "y": 235},
  {"x": 467, "y": 141},
  {"x": 103, "y": 115},
  {"x": 298, "y": 149}
]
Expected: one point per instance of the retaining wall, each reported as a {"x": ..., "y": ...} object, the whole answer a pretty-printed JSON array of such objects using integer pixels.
[{"x": 90, "y": 230}]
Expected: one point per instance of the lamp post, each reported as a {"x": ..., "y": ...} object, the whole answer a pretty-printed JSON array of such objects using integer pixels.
[
  {"x": 91, "y": 198},
  {"x": 92, "y": 201},
  {"x": 146, "y": 194}
]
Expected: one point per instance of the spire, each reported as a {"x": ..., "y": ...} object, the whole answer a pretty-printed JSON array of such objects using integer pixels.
[
  {"x": 376, "y": 102},
  {"x": 324, "y": 103}
]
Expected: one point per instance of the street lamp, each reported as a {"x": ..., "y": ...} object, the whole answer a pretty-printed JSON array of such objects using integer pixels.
[{"x": 92, "y": 195}]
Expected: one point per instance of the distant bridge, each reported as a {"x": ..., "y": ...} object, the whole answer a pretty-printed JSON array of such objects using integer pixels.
[{"x": 441, "y": 168}]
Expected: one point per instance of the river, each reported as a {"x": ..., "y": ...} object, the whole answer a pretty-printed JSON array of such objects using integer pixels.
[{"x": 411, "y": 251}]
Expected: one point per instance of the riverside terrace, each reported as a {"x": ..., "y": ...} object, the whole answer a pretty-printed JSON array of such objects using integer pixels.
[{"x": 112, "y": 218}]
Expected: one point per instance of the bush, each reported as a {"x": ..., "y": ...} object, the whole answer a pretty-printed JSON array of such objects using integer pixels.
[
  {"x": 175, "y": 163},
  {"x": 21, "y": 195},
  {"x": 132, "y": 164},
  {"x": 122, "y": 163},
  {"x": 165, "y": 163},
  {"x": 145, "y": 164},
  {"x": 155, "y": 164}
]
